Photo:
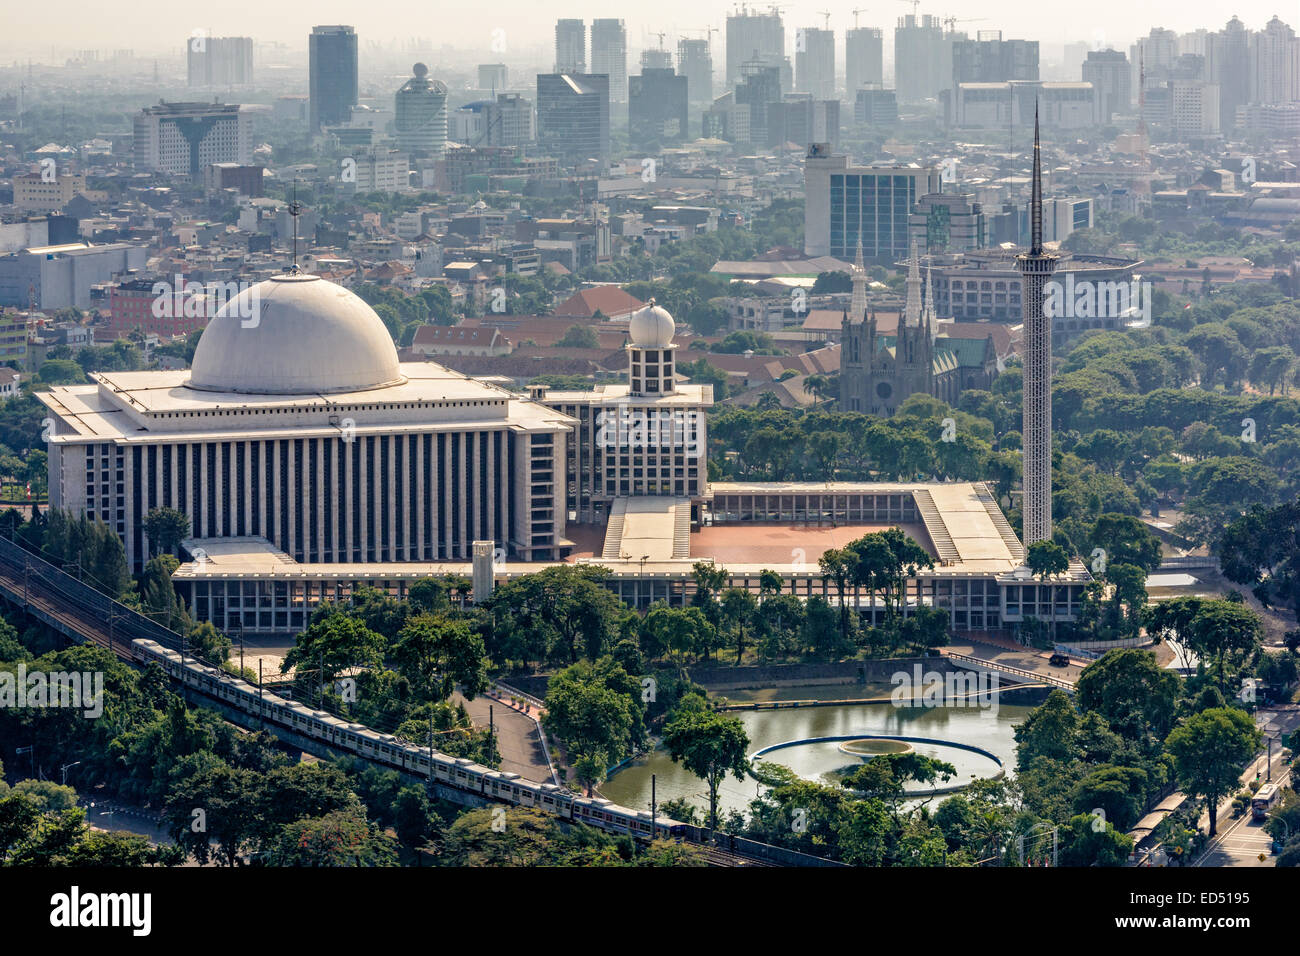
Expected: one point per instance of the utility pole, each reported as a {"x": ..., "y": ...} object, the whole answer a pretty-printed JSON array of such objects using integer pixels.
[{"x": 652, "y": 806}]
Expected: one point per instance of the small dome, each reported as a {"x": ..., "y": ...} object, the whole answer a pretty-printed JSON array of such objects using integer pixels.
[
  {"x": 652, "y": 327},
  {"x": 295, "y": 335}
]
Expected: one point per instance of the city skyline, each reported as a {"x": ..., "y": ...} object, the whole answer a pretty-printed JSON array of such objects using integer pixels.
[{"x": 1108, "y": 23}]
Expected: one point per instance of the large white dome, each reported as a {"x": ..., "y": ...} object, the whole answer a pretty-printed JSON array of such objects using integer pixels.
[
  {"x": 652, "y": 327},
  {"x": 295, "y": 335}
]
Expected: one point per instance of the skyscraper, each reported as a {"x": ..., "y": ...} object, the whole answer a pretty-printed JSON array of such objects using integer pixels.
[
  {"x": 695, "y": 62},
  {"x": 845, "y": 206},
  {"x": 922, "y": 59},
  {"x": 570, "y": 46},
  {"x": 991, "y": 59},
  {"x": 657, "y": 107},
  {"x": 1275, "y": 58},
  {"x": 1036, "y": 268},
  {"x": 573, "y": 116},
  {"x": 219, "y": 61},
  {"x": 609, "y": 56},
  {"x": 814, "y": 62},
  {"x": 332, "y": 58},
  {"x": 1108, "y": 72},
  {"x": 420, "y": 114},
  {"x": 753, "y": 36},
  {"x": 864, "y": 60}
]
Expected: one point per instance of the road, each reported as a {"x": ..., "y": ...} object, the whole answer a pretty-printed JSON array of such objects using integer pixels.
[{"x": 521, "y": 747}]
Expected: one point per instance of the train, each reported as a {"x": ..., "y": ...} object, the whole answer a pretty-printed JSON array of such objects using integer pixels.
[{"x": 385, "y": 749}]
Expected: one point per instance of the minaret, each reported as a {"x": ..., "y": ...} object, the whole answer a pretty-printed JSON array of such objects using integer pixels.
[
  {"x": 912, "y": 306},
  {"x": 1036, "y": 268},
  {"x": 858, "y": 304}
]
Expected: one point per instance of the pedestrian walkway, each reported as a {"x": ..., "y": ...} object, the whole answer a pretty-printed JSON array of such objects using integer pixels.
[{"x": 517, "y": 737}]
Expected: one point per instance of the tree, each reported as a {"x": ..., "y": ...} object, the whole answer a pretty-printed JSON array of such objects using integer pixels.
[
  {"x": 1125, "y": 540},
  {"x": 1224, "y": 632},
  {"x": 339, "y": 838},
  {"x": 207, "y": 643},
  {"x": 555, "y": 612},
  {"x": 739, "y": 609},
  {"x": 436, "y": 654},
  {"x": 166, "y": 528},
  {"x": 1046, "y": 559},
  {"x": 1136, "y": 696},
  {"x": 595, "y": 721},
  {"x": 335, "y": 644},
  {"x": 579, "y": 337},
  {"x": 1209, "y": 751},
  {"x": 709, "y": 745}
]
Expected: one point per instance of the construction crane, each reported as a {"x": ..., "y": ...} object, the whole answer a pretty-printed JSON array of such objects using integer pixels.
[
  {"x": 951, "y": 22},
  {"x": 916, "y": 6},
  {"x": 855, "y": 16},
  {"x": 827, "y": 15}
]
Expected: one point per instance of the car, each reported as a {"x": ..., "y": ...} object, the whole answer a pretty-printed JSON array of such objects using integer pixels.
[{"x": 1058, "y": 660}]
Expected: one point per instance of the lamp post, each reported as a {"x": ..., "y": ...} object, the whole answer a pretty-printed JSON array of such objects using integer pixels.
[{"x": 64, "y": 770}]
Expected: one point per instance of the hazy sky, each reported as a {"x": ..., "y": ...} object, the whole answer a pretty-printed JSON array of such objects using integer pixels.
[{"x": 149, "y": 26}]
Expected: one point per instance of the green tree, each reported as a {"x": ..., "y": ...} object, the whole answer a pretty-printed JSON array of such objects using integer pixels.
[
  {"x": 709, "y": 745},
  {"x": 1209, "y": 751},
  {"x": 166, "y": 528}
]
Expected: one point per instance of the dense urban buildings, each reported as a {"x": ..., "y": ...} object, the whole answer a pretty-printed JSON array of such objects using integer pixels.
[{"x": 184, "y": 138}]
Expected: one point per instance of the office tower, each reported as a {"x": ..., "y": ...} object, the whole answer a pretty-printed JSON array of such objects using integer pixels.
[
  {"x": 1036, "y": 268},
  {"x": 802, "y": 120},
  {"x": 659, "y": 59},
  {"x": 922, "y": 60},
  {"x": 657, "y": 108},
  {"x": 609, "y": 56},
  {"x": 420, "y": 114},
  {"x": 1193, "y": 107},
  {"x": 219, "y": 61},
  {"x": 695, "y": 62},
  {"x": 1275, "y": 58},
  {"x": 185, "y": 138},
  {"x": 570, "y": 46},
  {"x": 753, "y": 36},
  {"x": 1153, "y": 55},
  {"x": 760, "y": 85},
  {"x": 864, "y": 60},
  {"x": 875, "y": 106},
  {"x": 492, "y": 76},
  {"x": 1108, "y": 71},
  {"x": 573, "y": 117},
  {"x": 991, "y": 59},
  {"x": 845, "y": 205},
  {"x": 814, "y": 62},
  {"x": 332, "y": 56},
  {"x": 1230, "y": 68}
]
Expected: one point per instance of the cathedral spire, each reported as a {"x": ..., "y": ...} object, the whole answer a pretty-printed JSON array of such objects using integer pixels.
[
  {"x": 930, "y": 312},
  {"x": 912, "y": 307},
  {"x": 858, "y": 304}
]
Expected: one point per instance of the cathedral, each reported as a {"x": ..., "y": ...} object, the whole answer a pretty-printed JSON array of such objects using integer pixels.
[{"x": 878, "y": 371}]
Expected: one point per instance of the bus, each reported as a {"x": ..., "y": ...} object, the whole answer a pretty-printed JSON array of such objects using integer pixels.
[{"x": 1263, "y": 801}]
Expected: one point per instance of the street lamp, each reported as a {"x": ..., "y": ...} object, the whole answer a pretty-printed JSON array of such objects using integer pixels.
[{"x": 64, "y": 770}]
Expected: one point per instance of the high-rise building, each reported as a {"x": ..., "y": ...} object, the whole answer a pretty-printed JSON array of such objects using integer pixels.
[
  {"x": 814, "y": 62},
  {"x": 753, "y": 36},
  {"x": 332, "y": 55},
  {"x": 573, "y": 117},
  {"x": 1036, "y": 268},
  {"x": 802, "y": 120},
  {"x": 1194, "y": 108},
  {"x": 991, "y": 59},
  {"x": 1230, "y": 67},
  {"x": 493, "y": 77},
  {"x": 922, "y": 58},
  {"x": 219, "y": 61},
  {"x": 864, "y": 60},
  {"x": 609, "y": 56},
  {"x": 695, "y": 62},
  {"x": 657, "y": 108},
  {"x": 185, "y": 138},
  {"x": 657, "y": 59},
  {"x": 759, "y": 86},
  {"x": 420, "y": 114},
  {"x": 570, "y": 46},
  {"x": 875, "y": 106},
  {"x": 845, "y": 205},
  {"x": 1109, "y": 73},
  {"x": 1275, "y": 58}
]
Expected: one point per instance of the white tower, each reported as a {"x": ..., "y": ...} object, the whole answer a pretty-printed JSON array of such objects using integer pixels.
[{"x": 1036, "y": 268}]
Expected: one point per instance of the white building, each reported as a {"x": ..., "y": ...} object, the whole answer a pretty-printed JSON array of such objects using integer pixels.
[
  {"x": 34, "y": 192},
  {"x": 185, "y": 138},
  {"x": 383, "y": 170},
  {"x": 298, "y": 427}
]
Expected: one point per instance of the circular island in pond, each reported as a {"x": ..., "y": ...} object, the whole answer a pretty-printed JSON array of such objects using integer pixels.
[{"x": 874, "y": 747}]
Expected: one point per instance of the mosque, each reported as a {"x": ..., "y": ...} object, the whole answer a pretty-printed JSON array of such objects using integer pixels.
[{"x": 310, "y": 460}]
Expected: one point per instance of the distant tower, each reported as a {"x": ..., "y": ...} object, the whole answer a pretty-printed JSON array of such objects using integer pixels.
[
  {"x": 420, "y": 114},
  {"x": 1036, "y": 268},
  {"x": 912, "y": 304}
]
